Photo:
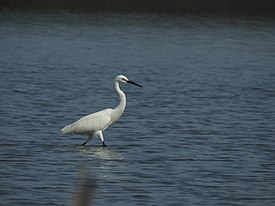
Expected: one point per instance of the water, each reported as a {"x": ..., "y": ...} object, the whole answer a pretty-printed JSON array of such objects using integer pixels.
[{"x": 200, "y": 131}]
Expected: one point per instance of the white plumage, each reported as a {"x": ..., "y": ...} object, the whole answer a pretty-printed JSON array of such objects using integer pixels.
[{"x": 94, "y": 124}]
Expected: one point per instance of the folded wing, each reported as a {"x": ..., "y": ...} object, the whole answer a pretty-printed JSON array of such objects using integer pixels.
[{"x": 90, "y": 123}]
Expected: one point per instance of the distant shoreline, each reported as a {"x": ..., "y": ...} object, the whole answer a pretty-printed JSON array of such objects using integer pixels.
[{"x": 158, "y": 6}]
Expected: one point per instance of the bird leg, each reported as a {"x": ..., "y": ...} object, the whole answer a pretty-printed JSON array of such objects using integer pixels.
[
  {"x": 87, "y": 140},
  {"x": 100, "y": 134}
]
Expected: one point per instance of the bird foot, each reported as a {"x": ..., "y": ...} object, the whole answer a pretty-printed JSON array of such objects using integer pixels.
[
  {"x": 83, "y": 144},
  {"x": 103, "y": 144}
]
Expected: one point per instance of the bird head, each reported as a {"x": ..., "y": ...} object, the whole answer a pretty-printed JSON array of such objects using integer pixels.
[{"x": 122, "y": 78}]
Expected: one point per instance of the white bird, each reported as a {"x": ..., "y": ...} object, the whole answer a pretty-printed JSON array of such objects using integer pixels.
[{"x": 94, "y": 124}]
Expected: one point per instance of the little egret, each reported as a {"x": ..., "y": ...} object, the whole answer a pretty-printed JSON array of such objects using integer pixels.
[{"x": 94, "y": 124}]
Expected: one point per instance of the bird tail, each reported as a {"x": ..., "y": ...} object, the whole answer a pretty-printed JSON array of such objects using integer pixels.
[{"x": 67, "y": 129}]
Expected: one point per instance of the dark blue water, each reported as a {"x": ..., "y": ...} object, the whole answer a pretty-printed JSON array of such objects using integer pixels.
[{"x": 200, "y": 131}]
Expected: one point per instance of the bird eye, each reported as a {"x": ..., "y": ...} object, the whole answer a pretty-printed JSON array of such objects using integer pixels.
[{"x": 123, "y": 79}]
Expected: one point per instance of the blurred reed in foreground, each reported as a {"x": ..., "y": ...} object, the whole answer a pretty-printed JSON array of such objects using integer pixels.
[{"x": 85, "y": 190}]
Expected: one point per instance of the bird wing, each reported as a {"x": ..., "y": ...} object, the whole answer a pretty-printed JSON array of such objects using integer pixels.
[{"x": 90, "y": 123}]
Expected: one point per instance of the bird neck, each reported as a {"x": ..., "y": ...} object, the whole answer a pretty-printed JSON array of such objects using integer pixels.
[{"x": 122, "y": 104}]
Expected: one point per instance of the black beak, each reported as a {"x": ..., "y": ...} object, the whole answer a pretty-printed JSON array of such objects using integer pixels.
[{"x": 131, "y": 82}]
